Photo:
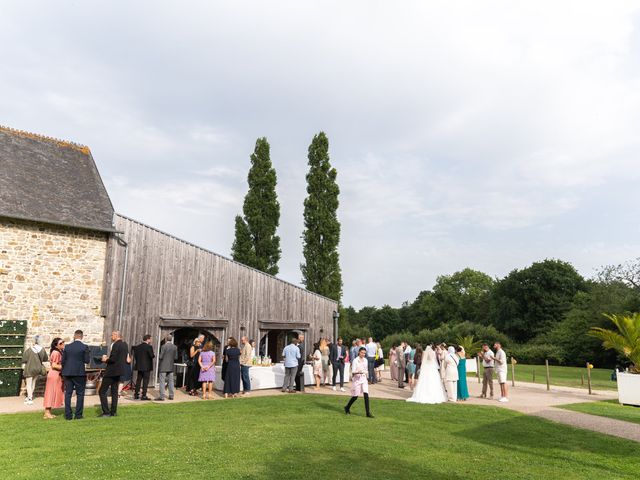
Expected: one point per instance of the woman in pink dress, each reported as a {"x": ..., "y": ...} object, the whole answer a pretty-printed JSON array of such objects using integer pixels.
[
  {"x": 359, "y": 383},
  {"x": 207, "y": 362},
  {"x": 392, "y": 363},
  {"x": 54, "y": 390}
]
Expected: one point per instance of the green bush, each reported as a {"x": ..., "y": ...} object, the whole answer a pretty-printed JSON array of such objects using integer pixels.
[
  {"x": 536, "y": 354},
  {"x": 396, "y": 338}
]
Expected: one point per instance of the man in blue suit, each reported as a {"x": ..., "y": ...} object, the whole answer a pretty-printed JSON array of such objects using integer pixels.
[{"x": 74, "y": 357}]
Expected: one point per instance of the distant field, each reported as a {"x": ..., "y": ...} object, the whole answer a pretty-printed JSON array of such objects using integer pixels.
[{"x": 564, "y": 376}]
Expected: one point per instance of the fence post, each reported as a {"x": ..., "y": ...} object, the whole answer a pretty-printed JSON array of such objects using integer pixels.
[
  {"x": 534, "y": 375},
  {"x": 589, "y": 377},
  {"x": 513, "y": 372},
  {"x": 546, "y": 364},
  {"x": 478, "y": 367}
]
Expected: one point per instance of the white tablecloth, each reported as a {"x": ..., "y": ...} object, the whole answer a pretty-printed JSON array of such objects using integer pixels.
[{"x": 273, "y": 376}]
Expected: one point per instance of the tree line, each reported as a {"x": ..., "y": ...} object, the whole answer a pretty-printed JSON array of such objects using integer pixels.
[
  {"x": 543, "y": 311},
  {"x": 256, "y": 242}
]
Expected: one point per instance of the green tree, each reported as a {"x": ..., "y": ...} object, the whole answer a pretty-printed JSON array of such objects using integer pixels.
[
  {"x": 384, "y": 321},
  {"x": 256, "y": 243},
  {"x": 463, "y": 296},
  {"x": 587, "y": 310},
  {"x": 321, "y": 268},
  {"x": 242, "y": 249},
  {"x": 529, "y": 302},
  {"x": 625, "y": 339}
]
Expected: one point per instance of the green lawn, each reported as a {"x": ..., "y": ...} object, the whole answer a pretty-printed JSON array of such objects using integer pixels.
[
  {"x": 308, "y": 436},
  {"x": 607, "y": 408},
  {"x": 565, "y": 376}
]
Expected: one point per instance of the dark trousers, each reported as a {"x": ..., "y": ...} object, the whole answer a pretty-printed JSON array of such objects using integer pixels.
[
  {"x": 366, "y": 403},
  {"x": 109, "y": 383},
  {"x": 246, "y": 380},
  {"x": 371, "y": 363},
  {"x": 71, "y": 384},
  {"x": 142, "y": 378},
  {"x": 300, "y": 378},
  {"x": 338, "y": 367}
]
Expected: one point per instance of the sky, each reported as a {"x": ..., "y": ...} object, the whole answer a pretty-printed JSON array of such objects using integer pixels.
[{"x": 471, "y": 134}]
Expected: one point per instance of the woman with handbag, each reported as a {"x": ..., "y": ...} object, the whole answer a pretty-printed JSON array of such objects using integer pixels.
[
  {"x": 33, "y": 366},
  {"x": 54, "y": 390}
]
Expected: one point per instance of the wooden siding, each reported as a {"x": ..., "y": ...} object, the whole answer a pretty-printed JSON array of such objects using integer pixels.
[{"x": 170, "y": 278}]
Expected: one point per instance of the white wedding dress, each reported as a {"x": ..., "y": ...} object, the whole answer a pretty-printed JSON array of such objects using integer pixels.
[{"x": 429, "y": 388}]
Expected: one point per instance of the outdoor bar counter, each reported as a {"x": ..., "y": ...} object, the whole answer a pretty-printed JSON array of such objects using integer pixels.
[{"x": 273, "y": 376}]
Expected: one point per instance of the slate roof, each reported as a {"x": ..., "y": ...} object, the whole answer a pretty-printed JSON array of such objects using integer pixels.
[{"x": 53, "y": 181}]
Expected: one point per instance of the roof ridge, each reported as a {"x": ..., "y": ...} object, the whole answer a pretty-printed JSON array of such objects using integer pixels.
[{"x": 61, "y": 143}]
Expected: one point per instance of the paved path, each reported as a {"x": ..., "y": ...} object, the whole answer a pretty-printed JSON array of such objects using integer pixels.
[{"x": 527, "y": 398}]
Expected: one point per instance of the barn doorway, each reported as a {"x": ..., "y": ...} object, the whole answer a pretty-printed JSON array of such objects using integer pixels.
[
  {"x": 272, "y": 342},
  {"x": 183, "y": 338}
]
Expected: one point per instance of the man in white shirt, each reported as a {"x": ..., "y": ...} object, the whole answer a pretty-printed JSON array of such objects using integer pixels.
[
  {"x": 372, "y": 350},
  {"x": 488, "y": 363},
  {"x": 501, "y": 370}
]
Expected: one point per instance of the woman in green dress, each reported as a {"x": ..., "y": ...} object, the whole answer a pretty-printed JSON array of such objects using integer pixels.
[{"x": 463, "y": 391}]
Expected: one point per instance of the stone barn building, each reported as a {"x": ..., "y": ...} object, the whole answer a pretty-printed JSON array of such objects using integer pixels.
[{"x": 67, "y": 261}]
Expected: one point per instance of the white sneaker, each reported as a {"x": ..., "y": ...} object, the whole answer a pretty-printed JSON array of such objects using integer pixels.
[
  {"x": 334, "y": 388},
  {"x": 342, "y": 389},
  {"x": 29, "y": 402},
  {"x": 503, "y": 399}
]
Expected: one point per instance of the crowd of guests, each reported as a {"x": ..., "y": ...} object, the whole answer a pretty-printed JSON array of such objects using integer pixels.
[
  {"x": 406, "y": 364},
  {"x": 64, "y": 367}
]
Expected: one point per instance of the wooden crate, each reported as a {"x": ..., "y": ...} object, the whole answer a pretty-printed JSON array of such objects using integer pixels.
[
  {"x": 13, "y": 340},
  {"x": 16, "y": 327},
  {"x": 10, "y": 381}
]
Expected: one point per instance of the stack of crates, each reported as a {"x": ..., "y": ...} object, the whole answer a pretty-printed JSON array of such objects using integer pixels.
[{"x": 13, "y": 334}]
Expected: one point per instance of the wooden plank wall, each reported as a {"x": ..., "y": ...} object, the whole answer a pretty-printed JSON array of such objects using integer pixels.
[{"x": 170, "y": 277}]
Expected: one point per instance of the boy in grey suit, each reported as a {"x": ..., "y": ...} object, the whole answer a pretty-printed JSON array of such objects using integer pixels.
[
  {"x": 167, "y": 360},
  {"x": 401, "y": 363}
]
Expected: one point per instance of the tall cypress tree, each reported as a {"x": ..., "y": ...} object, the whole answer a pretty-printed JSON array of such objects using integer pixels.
[
  {"x": 256, "y": 243},
  {"x": 321, "y": 268}
]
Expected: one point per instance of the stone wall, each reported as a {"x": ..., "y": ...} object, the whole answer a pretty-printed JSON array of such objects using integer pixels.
[{"x": 53, "y": 278}]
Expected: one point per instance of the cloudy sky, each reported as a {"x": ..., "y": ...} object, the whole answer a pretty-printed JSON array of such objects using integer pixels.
[{"x": 465, "y": 134}]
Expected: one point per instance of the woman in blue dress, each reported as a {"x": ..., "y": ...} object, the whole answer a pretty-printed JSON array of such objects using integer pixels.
[{"x": 463, "y": 390}]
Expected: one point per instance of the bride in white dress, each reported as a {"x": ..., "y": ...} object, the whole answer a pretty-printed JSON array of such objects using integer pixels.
[{"x": 429, "y": 388}]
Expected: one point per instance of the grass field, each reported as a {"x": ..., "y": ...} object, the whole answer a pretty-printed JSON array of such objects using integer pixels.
[
  {"x": 565, "y": 376},
  {"x": 309, "y": 436},
  {"x": 607, "y": 408}
]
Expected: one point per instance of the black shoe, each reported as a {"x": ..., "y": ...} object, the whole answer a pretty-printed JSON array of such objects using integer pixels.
[
  {"x": 136, "y": 397},
  {"x": 370, "y": 416},
  {"x": 68, "y": 418},
  {"x": 346, "y": 410},
  {"x": 170, "y": 398},
  {"x": 114, "y": 414},
  {"x": 400, "y": 386},
  {"x": 145, "y": 398},
  {"x": 78, "y": 418},
  {"x": 105, "y": 415},
  {"x": 159, "y": 399}
]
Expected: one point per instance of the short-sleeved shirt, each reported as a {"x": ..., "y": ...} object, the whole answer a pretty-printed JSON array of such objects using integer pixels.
[
  {"x": 372, "y": 349},
  {"x": 486, "y": 359},
  {"x": 291, "y": 354},
  {"x": 501, "y": 361}
]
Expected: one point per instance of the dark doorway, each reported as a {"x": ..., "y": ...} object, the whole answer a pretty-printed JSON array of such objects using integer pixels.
[
  {"x": 183, "y": 339},
  {"x": 273, "y": 342}
]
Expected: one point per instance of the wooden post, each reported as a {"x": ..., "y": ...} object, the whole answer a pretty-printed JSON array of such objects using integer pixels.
[
  {"x": 534, "y": 375},
  {"x": 546, "y": 364},
  {"x": 589, "y": 377},
  {"x": 513, "y": 372},
  {"x": 582, "y": 379},
  {"x": 478, "y": 367}
]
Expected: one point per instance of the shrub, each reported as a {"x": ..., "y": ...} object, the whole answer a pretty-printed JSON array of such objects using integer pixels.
[{"x": 537, "y": 353}]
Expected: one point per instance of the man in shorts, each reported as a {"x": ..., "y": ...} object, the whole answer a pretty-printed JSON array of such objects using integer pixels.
[{"x": 501, "y": 371}]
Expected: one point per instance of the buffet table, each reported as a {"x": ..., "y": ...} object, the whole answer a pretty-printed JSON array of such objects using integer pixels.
[{"x": 273, "y": 376}]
